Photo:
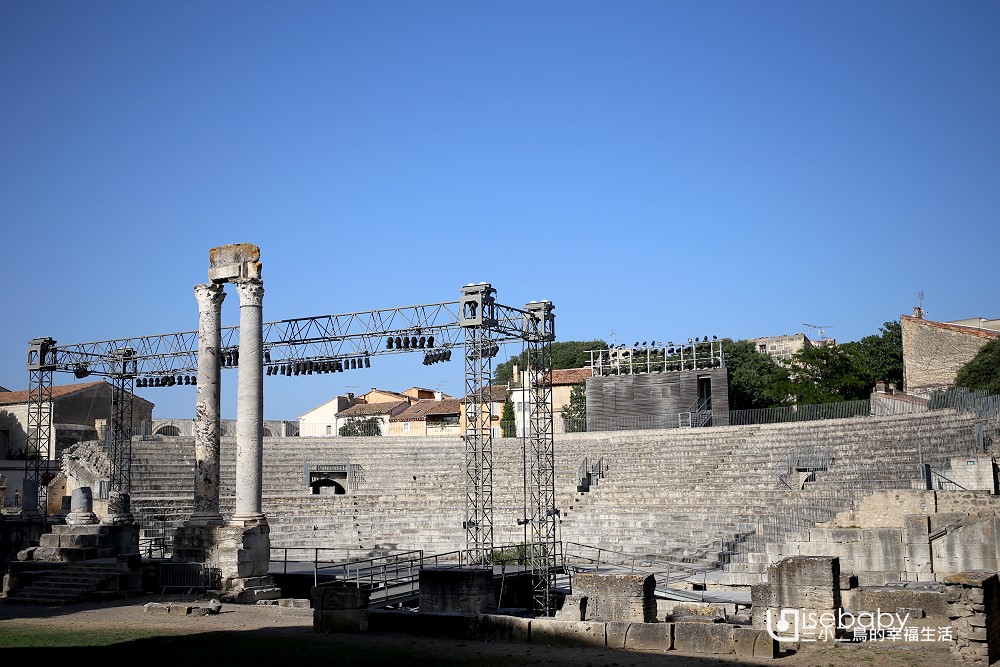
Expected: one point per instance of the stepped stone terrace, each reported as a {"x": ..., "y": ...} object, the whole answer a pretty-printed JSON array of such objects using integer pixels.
[{"x": 708, "y": 499}]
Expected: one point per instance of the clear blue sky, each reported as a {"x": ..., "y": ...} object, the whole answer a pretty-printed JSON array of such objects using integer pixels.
[{"x": 655, "y": 169}]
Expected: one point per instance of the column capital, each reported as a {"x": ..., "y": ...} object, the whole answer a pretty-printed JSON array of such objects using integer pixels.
[
  {"x": 210, "y": 296},
  {"x": 251, "y": 291}
]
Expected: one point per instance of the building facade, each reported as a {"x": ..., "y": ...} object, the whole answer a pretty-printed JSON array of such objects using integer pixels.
[{"x": 934, "y": 352}]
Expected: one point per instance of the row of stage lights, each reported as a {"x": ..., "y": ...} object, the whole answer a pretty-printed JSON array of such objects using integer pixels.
[
  {"x": 310, "y": 367},
  {"x": 435, "y": 356},
  {"x": 408, "y": 342},
  {"x": 655, "y": 344},
  {"x": 669, "y": 348},
  {"x": 295, "y": 368},
  {"x": 167, "y": 381}
]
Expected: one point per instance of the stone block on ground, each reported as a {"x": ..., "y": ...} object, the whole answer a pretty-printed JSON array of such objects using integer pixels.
[
  {"x": 707, "y": 638},
  {"x": 550, "y": 632}
]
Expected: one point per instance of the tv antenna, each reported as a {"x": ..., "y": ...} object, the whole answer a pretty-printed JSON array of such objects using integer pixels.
[{"x": 820, "y": 329}]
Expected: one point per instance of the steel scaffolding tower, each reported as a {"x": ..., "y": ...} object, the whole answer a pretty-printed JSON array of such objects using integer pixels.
[
  {"x": 539, "y": 334},
  {"x": 38, "y": 451},
  {"x": 123, "y": 373}
]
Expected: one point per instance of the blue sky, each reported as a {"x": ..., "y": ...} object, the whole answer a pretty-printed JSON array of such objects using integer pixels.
[{"x": 655, "y": 169}]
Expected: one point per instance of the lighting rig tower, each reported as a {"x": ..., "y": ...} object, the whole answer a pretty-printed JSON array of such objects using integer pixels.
[
  {"x": 478, "y": 313},
  {"x": 41, "y": 364},
  {"x": 539, "y": 332},
  {"x": 123, "y": 371}
]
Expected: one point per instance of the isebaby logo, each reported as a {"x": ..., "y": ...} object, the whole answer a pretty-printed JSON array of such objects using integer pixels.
[
  {"x": 785, "y": 627},
  {"x": 793, "y": 625}
]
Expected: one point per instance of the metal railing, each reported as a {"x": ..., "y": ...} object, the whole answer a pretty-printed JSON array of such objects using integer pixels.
[
  {"x": 394, "y": 576},
  {"x": 155, "y": 538},
  {"x": 936, "y": 480},
  {"x": 189, "y": 576},
  {"x": 589, "y": 475},
  {"x": 578, "y": 557}
]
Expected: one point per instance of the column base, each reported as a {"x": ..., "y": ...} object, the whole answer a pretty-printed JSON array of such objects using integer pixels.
[
  {"x": 205, "y": 519},
  {"x": 248, "y": 519}
]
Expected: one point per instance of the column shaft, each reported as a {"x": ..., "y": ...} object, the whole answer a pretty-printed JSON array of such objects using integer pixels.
[
  {"x": 207, "y": 412},
  {"x": 249, "y": 403}
]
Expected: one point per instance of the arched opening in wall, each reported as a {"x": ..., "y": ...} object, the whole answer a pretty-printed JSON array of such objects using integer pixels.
[
  {"x": 169, "y": 429},
  {"x": 267, "y": 433},
  {"x": 326, "y": 487}
]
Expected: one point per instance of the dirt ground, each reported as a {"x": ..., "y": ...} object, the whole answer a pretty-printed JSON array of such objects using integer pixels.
[{"x": 297, "y": 622}]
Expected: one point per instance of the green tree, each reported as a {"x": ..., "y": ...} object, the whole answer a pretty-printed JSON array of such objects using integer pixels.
[
  {"x": 880, "y": 357},
  {"x": 508, "y": 424},
  {"x": 755, "y": 378},
  {"x": 568, "y": 354},
  {"x": 358, "y": 426},
  {"x": 574, "y": 413},
  {"x": 983, "y": 370},
  {"x": 826, "y": 374}
]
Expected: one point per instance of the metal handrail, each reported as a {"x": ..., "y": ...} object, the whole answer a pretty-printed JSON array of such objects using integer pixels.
[{"x": 955, "y": 486}]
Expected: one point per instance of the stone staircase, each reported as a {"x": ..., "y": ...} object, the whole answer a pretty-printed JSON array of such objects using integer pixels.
[{"x": 58, "y": 583}]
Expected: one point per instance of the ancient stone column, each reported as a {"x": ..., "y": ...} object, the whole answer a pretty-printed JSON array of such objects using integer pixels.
[
  {"x": 81, "y": 508},
  {"x": 250, "y": 403},
  {"x": 207, "y": 418}
]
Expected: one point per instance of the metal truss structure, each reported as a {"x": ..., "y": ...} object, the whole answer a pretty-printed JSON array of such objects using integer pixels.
[
  {"x": 658, "y": 357},
  {"x": 332, "y": 343}
]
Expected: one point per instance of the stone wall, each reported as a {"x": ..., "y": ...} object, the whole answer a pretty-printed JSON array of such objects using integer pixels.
[
  {"x": 933, "y": 352},
  {"x": 610, "y": 597},
  {"x": 723, "y": 639},
  {"x": 907, "y": 536},
  {"x": 974, "y": 610}
]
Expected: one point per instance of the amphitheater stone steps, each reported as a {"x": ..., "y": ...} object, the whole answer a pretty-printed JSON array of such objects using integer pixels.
[{"x": 675, "y": 492}]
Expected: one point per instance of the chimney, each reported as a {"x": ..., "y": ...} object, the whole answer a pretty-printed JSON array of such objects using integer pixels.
[
  {"x": 438, "y": 396},
  {"x": 918, "y": 313}
]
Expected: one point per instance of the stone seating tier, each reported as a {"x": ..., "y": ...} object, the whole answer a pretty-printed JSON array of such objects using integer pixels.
[{"x": 664, "y": 491}]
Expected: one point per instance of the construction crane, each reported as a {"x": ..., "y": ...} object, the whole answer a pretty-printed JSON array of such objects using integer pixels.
[{"x": 820, "y": 329}]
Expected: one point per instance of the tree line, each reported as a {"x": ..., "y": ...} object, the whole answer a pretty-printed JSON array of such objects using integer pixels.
[{"x": 814, "y": 374}]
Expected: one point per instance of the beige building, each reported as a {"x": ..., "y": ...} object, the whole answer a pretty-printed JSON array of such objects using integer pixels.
[
  {"x": 783, "y": 347},
  {"x": 441, "y": 415},
  {"x": 563, "y": 381},
  {"x": 387, "y": 408},
  {"x": 79, "y": 412},
  {"x": 321, "y": 421},
  {"x": 496, "y": 395},
  {"x": 934, "y": 352}
]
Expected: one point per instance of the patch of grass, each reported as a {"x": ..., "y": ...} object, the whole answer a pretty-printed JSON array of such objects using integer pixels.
[{"x": 252, "y": 647}]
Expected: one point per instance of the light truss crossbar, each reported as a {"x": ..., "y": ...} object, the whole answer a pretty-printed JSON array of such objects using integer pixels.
[{"x": 359, "y": 334}]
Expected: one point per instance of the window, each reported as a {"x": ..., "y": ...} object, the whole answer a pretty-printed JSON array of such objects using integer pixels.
[
  {"x": 329, "y": 430},
  {"x": 406, "y": 427}
]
